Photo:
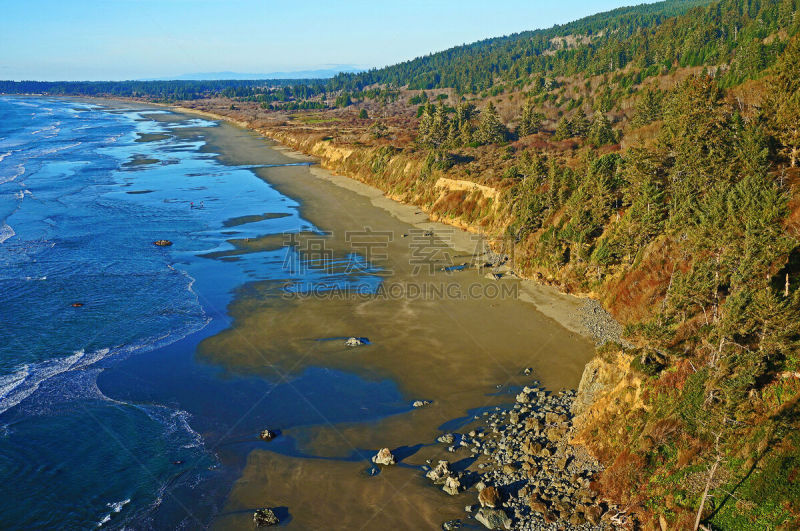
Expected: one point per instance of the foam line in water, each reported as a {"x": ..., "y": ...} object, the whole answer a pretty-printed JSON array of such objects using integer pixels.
[{"x": 6, "y": 232}]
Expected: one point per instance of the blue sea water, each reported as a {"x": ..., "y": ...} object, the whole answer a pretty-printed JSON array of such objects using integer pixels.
[{"x": 105, "y": 414}]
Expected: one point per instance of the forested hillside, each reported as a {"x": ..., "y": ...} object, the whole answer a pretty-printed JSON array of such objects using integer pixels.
[{"x": 647, "y": 157}]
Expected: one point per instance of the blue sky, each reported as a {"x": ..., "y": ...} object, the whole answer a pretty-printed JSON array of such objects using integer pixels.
[{"x": 134, "y": 39}]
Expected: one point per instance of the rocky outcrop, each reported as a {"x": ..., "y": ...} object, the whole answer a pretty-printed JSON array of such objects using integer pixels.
[
  {"x": 356, "y": 341},
  {"x": 609, "y": 388},
  {"x": 267, "y": 435},
  {"x": 384, "y": 457},
  {"x": 265, "y": 518},
  {"x": 489, "y": 497},
  {"x": 493, "y": 518}
]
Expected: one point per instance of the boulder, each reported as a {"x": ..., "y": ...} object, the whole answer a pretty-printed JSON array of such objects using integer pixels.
[
  {"x": 451, "y": 485},
  {"x": 420, "y": 403},
  {"x": 267, "y": 435},
  {"x": 493, "y": 518},
  {"x": 355, "y": 341},
  {"x": 440, "y": 472},
  {"x": 451, "y": 524},
  {"x": 265, "y": 518},
  {"x": 447, "y": 438},
  {"x": 489, "y": 497},
  {"x": 384, "y": 457},
  {"x": 162, "y": 243}
]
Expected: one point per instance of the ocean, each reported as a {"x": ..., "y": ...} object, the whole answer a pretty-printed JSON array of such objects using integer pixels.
[{"x": 108, "y": 418}]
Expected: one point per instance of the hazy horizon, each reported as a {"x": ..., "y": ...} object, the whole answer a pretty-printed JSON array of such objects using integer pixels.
[{"x": 46, "y": 40}]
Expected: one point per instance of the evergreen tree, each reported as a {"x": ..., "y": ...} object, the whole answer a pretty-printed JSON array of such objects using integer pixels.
[
  {"x": 580, "y": 125},
  {"x": 425, "y": 130},
  {"x": 491, "y": 130},
  {"x": 530, "y": 120},
  {"x": 648, "y": 108},
  {"x": 783, "y": 102},
  {"x": 563, "y": 129},
  {"x": 601, "y": 132},
  {"x": 439, "y": 126}
]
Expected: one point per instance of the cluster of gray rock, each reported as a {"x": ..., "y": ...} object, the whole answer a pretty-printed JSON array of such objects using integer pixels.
[
  {"x": 599, "y": 323},
  {"x": 526, "y": 474}
]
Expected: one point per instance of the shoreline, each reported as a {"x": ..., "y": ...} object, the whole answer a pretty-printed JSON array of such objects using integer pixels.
[
  {"x": 465, "y": 357},
  {"x": 462, "y": 356},
  {"x": 567, "y": 310}
]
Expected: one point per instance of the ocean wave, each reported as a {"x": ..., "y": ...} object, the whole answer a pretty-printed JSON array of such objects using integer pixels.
[
  {"x": 115, "y": 507},
  {"x": 26, "y": 380},
  {"x": 57, "y": 149},
  {"x": 4, "y": 155},
  {"x": 16, "y": 387},
  {"x": 20, "y": 171}
]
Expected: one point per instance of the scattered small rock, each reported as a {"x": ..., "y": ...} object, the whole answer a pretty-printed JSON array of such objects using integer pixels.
[
  {"x": 162, "y": 243},
  {"x": 420, "y": 403},
  {"x": 265, "y": 518}
]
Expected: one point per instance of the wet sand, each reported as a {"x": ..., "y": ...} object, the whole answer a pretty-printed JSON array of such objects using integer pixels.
[{"x": 462, "y": 349}]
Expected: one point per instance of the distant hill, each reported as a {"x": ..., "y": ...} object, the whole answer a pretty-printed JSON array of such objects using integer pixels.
[{"x": 323, "y": 73}]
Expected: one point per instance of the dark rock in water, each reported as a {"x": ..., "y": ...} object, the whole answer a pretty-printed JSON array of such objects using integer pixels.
[
  {"x": 178, "y": 462},
  {"x": 451, "y": 524},
  {"x": 267, "y": 435},
  {"x": 493, "y": 518},
  {"x": 77, "y": 304},
  {"x": 265, "y": 518},
  {"x": 356, "y": 342},
  {"x": 420, "y": 403},
  {"x": 162, "y": 243},
  {"x": 384, "y": 457}
]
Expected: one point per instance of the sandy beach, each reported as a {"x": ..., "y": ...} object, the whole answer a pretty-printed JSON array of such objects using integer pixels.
[{"x": 464, "y": 348}]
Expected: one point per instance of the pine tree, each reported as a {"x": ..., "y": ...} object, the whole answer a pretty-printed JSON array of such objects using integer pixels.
[
  {"x": 601, "y": 132},
  {"x": 491, "y": 130},
  {"x": 439, "y": 127},
  {"x": 530, "y": 120},
  {"x": 580, "y": 125},
  {"x": 425, "y": 128},
  {"x": 783, "y": 102},
  {"x": 563, "y": 129}
]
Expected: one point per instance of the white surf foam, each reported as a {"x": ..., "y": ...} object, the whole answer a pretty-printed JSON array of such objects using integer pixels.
[
  {"x": 16, "y": 387},
  {"x": 115, "y": 507},
  {"x": 20, "y": 171},
  {"x": 6, "y": 232}
]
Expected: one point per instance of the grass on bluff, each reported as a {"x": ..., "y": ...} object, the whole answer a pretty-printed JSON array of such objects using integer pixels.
[{"x": 312, "y": 119}]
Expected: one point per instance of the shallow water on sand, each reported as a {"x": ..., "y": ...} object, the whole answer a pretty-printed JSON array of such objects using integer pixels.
[{"x": 141, "y": 407}]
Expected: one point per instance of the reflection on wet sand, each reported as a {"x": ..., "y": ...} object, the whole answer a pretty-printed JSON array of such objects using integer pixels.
[{"x": 454, "y": 348}]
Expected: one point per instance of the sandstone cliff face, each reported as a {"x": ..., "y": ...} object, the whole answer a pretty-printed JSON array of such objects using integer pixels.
[{"x": 609, "y": 393}]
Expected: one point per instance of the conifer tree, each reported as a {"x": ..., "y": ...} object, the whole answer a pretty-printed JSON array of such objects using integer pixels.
[
  {"x": 580, "y": 125},
  {"x": 783, "y": 103},
  {"x": 439, "y": 126},
  {"x": 530, "y": 120},
  {"x": 491, "y": 130},
  {"x": 601, "y": 132},
  {"x": 425, "y": 128},
  {"x": 563, "y": 129}
]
